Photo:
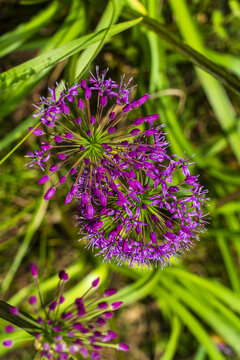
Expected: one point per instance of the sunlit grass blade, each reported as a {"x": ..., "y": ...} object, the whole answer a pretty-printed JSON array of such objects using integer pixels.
[
  {"x": 173, "y": 341},
  {"x": 23, "y": 248},
  {"x": 16, "y": 133},
  {"x": 109, "y": 17},
  {"x": 229, "y": 262},
  {"x": 15, "y": 38},
  {"x": 226, "y": 295},
  {"x": 200, "y": 354},
  {"x": 207, "y": 313},
  {"x": 214, "y": 91},
  {"x": 19, "y": 338},
  {"x": 138, "y": 289},
  {"x": 19, "y": 144},
  {"x": 11, "y": 221},
  {"x": 46, "y": 61},
  {"x": 192, "y": 323},
  {"x": 189, "y": 52},
  {"x": 72, "y": 27}
]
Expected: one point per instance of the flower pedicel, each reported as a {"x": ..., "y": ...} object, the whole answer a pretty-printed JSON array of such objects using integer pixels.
[{"x": 74, "y": 331}]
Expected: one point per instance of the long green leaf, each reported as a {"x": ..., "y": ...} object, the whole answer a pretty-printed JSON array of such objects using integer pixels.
[
  {"x": 188, "y": 52},
  {"x": 33, "y": 226},
  {"x": 192, "y": 323},
  {"x": 173, "y": 340},
  {"x": 220, "y": 291},
  {"x": 206, "y": 312},
  {"x": 215, "y": 92},
  {"x": 72, "y": 27},
  {"x": 112, "y": 11},
  {"x": 15, "y": 38},
  {"x": 46, "y": 61}
]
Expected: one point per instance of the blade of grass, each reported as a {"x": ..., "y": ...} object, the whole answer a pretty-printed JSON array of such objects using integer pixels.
[
  {"x": 173, "y": 341},
  {"x": 192, "y": 55},
  {"x": 200, "y": 354},
  {"x": 229, "y": 263},
  {"x": 112, "y": 12},
  {"x": 226, "y": 295},
  {"x": 16, "y": 133},
  {"x": 205, "y": 312},
  {"x": 72, "y": 27},
  {"x": 19, "y": 144},
  {"x": 138, "y": 289},
  {"x": 213, "y": 89},
  {"x": 32, "y": 228},
  {"x": 191, "y": 322},
  {"x": 19, "y": 338},
  {"x": 46, "y": 61},
  {"x": 158, "y": 82},
  {"x": 14, "y": 219},
  {"x": 206, "y": 297},
  {"x": 15, "y": 38}
]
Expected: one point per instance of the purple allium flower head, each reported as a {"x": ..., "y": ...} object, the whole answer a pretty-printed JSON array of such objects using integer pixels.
[
  {"x": 84, "y": 137},
  {"x": 158, "y": 215},
  {"x": 78, "y": 329}
]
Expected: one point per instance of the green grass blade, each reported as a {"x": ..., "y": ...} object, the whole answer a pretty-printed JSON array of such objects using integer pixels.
[
  {"x": 196, "y": 57},
  {"x": 72, "y": 27},
  {"x": 207, "y": 313},
  {"x": 19, "y": 144},
  {"x": 19, "y": 338},
  {"x": 229, "y": 263},
  {"x": 214, "y": 91},
  {"x": 200, "y": 354},
  {"x": 16, "y": 133},
  {"x": 138, "y": 289},
  {"x": 46, "y": 61},
  {"x": 173, "y": 340},
  {"x": 112, "y": 12},
  {"x": 226, "y": 295},
  {"x": 192, "y": 323},
  {"x": 15, "y": 38},
  {"x": 33, "y": 226}
]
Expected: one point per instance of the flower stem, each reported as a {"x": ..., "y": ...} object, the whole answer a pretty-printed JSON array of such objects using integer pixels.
[{"x": 17, "y": 146}]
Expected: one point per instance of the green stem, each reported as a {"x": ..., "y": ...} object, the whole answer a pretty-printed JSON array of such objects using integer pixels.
[
  {"x": 20, "y": 143},
  {"x": 6, "y": 314}
]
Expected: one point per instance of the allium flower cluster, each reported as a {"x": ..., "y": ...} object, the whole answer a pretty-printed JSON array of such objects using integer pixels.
[
  {"x": 77, "y": 330},
  {"x": 136, "y": 203}
]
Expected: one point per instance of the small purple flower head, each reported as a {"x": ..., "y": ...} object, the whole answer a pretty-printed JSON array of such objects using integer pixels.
[
  {"x": 34, "y": 270},
  {"x": 79, "y": 328},
  {"x": 9, "y": 329},
  {"x": 63, "y": 275},
  {"x": 7, "y": 343},
  {"x": 14, "y": 310},
  {"x": 123, "y": 347},
  {"x": 95, "y": 282}
]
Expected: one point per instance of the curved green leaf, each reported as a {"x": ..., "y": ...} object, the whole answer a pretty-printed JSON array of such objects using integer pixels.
[
  {"x": 15, "y": 38},
  {"x": 195, "y": 57},
  {"x": 46, "y": 61}
]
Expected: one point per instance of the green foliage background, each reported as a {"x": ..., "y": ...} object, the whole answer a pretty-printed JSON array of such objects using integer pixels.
[{"x": 186, "y": 55}]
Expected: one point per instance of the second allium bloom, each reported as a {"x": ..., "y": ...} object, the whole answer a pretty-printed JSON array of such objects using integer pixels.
[
  {"x": 75, "y": 331},
  {"x": 136, "y": 203}
]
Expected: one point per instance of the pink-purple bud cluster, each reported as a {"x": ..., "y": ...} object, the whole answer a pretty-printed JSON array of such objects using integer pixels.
[{"x": 78, "y": 330}]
